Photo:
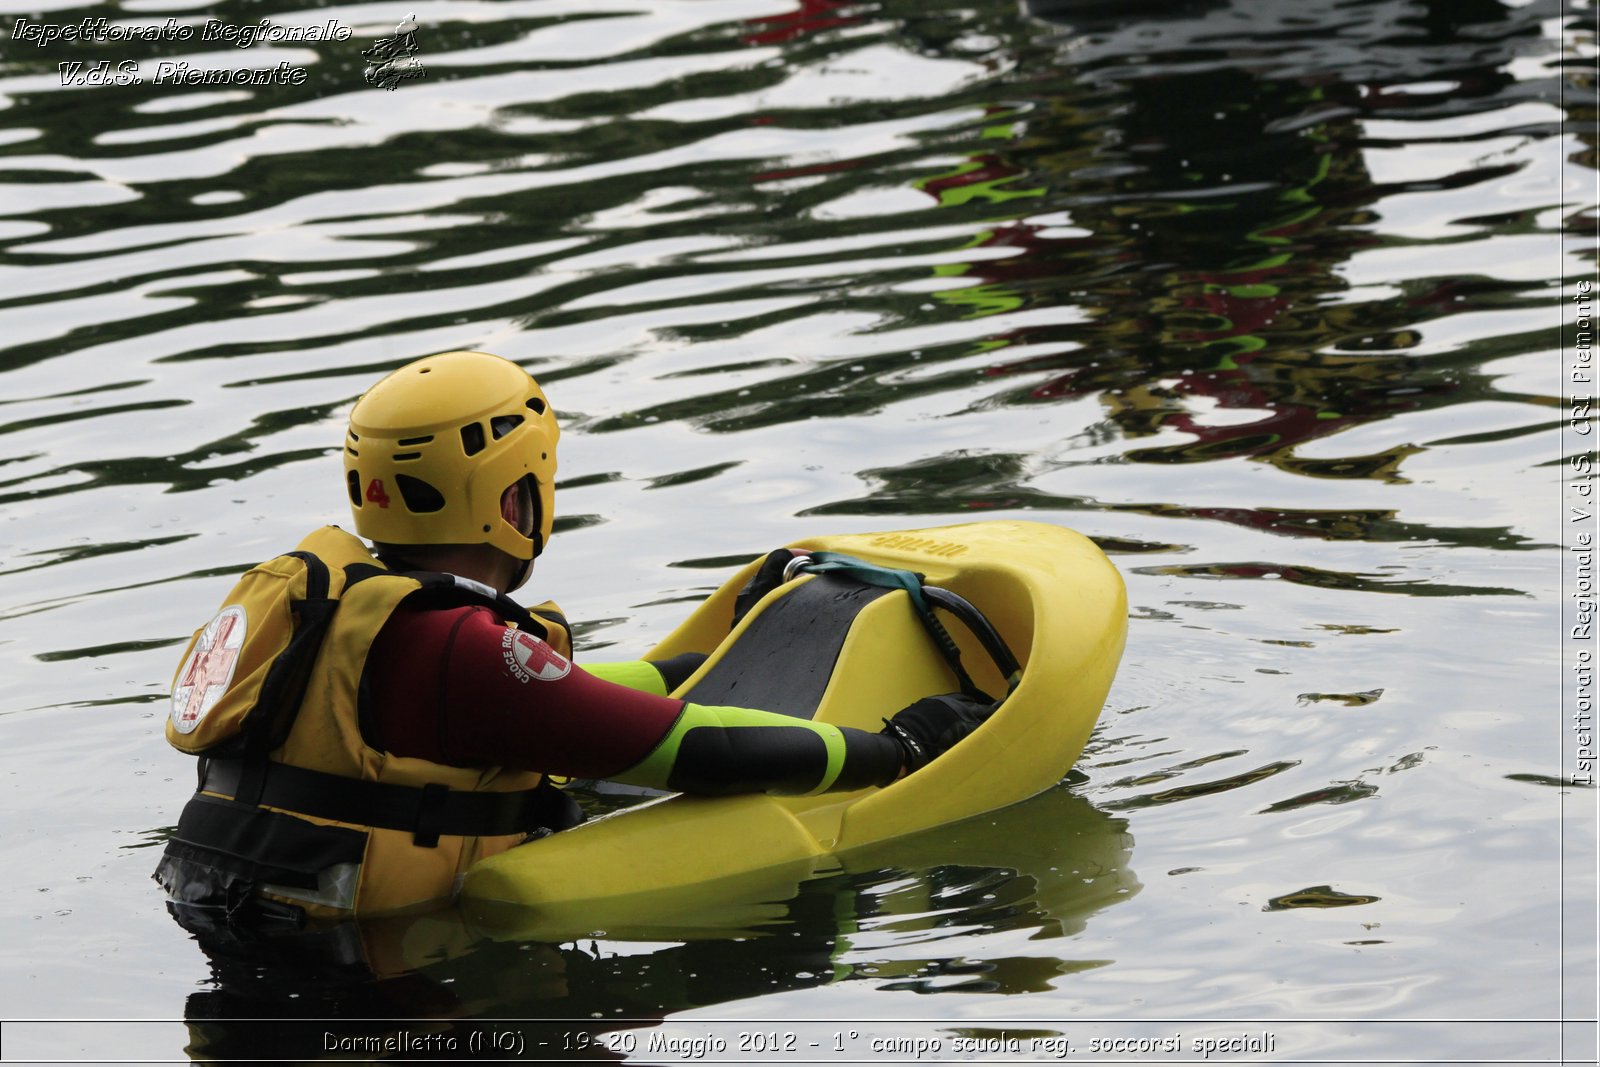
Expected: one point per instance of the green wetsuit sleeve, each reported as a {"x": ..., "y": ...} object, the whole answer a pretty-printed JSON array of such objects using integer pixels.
[
  {"x": 635, "y": 674},
  {"x": 658, "y": 677},
  {"x": 720, "y": 750}
]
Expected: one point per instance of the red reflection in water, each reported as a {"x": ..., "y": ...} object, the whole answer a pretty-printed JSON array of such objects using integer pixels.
[{"x": 809, "y": 16}]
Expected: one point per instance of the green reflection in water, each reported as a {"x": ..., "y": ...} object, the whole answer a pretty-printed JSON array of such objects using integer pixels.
[{"x": 1320, "y": 896}]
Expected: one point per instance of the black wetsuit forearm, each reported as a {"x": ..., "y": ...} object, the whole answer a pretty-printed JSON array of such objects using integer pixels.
[{"x": 721, "y": 750}]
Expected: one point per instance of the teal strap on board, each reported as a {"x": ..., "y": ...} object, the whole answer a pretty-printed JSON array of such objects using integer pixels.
[{"x": 868, "y": 573}]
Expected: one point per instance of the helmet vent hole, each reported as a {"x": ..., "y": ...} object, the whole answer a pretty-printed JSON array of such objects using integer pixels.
[
  {"x": 501, "y": 425},
  {"x": 352, "y": 481},
  {"x": 472, "y": 441},
  {"x": 536, "y": 405},
  {"x": 415, "y": 440},
  {"x": 420, "y": 497},
  {"x": 402, "y": 456}
]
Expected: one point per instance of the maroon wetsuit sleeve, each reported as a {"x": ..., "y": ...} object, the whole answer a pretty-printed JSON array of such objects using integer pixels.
[{"x": 459, "y": 687}]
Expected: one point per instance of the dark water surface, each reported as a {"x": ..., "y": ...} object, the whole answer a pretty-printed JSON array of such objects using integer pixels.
[{"x": 1278, "y": 301}]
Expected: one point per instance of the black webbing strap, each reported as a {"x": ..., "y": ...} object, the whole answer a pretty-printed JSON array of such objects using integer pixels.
[
  {"x": 444, "y": 589},
  {"x": 428, "y": 812}
]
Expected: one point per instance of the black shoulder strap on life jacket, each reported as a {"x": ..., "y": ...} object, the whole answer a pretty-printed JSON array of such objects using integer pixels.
[
  {"x": 452, "y": 590},
  {"x": 284, "y": 687},
  {"x": 427, "y": 812}
]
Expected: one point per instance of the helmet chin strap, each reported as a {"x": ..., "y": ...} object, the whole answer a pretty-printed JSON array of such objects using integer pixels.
[{"x": 525, "y": 567}]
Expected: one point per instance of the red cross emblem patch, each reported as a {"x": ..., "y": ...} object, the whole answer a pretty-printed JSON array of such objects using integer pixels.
[
  {"x": 209, "y": 669},
  {"x": 529, "y": 658}
]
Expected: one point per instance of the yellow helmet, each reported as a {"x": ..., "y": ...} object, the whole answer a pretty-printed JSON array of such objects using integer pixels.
[{"x": 432, "y": 447}]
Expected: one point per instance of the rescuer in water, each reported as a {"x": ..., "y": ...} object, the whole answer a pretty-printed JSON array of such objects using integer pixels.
[{"x": 370, "y": 722}]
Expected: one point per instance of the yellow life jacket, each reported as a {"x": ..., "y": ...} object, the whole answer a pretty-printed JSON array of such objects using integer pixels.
[{"x": 294, "y": 806}]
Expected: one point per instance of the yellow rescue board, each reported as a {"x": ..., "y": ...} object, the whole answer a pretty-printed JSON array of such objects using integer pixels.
[{"x": 1050, "y": 592}]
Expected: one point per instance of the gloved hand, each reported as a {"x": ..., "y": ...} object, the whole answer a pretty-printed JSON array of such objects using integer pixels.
[{"x": 933, "y": 724}]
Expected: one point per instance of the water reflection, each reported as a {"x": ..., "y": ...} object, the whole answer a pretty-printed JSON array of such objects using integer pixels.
[
  {"x": 1156, "y": 207},
  {"x": 1205, "y": 212},
  {"x": 899, "y": 917}
]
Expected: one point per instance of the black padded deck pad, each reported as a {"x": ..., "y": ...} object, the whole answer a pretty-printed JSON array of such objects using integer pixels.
[{"x": 784, "y": 659}]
